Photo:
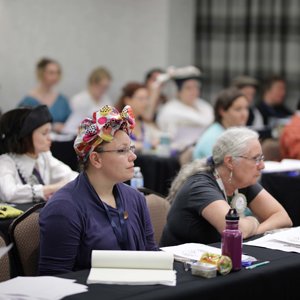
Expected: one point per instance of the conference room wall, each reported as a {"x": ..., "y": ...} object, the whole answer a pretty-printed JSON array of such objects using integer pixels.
[{"x": 127, "y": 36}]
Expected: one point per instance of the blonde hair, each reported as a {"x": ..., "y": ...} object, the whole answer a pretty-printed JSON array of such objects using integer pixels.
[
  {"x": 99, "y": 74},
  {"x": 234, "y": 141}
]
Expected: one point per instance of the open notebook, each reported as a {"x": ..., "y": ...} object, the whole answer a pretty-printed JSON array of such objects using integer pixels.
[{"x": 132, "y": 268}]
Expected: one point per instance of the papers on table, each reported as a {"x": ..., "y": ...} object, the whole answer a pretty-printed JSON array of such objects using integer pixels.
[
  {"x": 287, "y": 240},
  {"x": 194, "y": 251},
  {"x": 284, "y": 166},
  {"x": 4, "y": 250},
  {"x": 39, "y": 288},
  {"x": 132, "y": 268}
]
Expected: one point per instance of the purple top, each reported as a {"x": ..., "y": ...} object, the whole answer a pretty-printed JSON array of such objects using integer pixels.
[{"x": 74, "y": 222}]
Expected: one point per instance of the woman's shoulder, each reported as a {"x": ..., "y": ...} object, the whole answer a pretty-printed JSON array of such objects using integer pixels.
[
  {"x": 6, "y": 160},
  {"x": 62, "y": 98},
  {"x": 29, "y": 101}
]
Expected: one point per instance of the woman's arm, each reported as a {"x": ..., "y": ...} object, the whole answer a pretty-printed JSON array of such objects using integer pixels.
[
  {"x": 215, "y": 214},
  {"x": 269, "y": 212}
]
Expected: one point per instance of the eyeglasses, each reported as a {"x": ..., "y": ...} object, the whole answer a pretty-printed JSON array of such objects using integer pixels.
[
  {"x": 257, "y": 159},
  {"x": 124, "y": 150}
]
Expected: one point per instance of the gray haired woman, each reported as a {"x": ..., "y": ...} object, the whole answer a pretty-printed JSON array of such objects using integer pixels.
[{"x": 204, "y": 190}]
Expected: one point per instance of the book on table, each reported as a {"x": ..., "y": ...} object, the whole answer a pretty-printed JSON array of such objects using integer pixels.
[{"x": 132, "y": 268}]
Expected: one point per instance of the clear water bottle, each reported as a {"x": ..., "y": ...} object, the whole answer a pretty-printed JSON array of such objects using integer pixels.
[
  {"x": 232, "y": 239},
  {"x": 137, "y": 181}
]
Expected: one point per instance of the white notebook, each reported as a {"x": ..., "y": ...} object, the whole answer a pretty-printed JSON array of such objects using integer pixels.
[{"x": 132, "y": 268}]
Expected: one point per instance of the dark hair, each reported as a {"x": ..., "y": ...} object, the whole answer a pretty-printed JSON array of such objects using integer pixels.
[
  {"x": 225, "y": 100},
  {"x": 11, "y": 124},
  {"x": 127, "y": 92},
  {"x": 151, "y": 72},
  {"x": 269, "y": 82},
  {"x": 42, "y": 65}
]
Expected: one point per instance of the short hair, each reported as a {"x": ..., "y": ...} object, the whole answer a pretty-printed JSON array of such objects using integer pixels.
[
  {"x": 225, "y": 100},
  {"x": 233, "y": 141},
  {"x": 127, "y": 92},
  {"x": 269, "y": 82},
  {"x": 243, "y": 81},
  {"x": 11, "y": 124},
  {"x": 99, "y": 74},
  {"x": 42, "y": 65},
  {"x": 151, "y": 72}
]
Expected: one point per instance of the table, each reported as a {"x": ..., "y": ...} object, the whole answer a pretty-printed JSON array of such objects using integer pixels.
[
  {"x": 277, "y": 280},
  {"x": 285, "y": 187}
]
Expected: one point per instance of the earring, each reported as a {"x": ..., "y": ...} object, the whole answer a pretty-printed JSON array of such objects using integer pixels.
[{"x": 230, "y": 176}]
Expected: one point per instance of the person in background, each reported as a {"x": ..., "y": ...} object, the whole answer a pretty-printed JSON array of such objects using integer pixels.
[
  {"x": 145, "y": 135},
  {"x": 186, "y": 117},
  {"x": 205, "y": 190},
  {"x": 272, "y": 104},
  {"x": 231, "y": 109},
  {"x": 29, "y": 172},
  {"x": 156, "y": 97},
  {"x": 290, "y": 137},
  {"x": 96, "y": 211},
  {"x": 89, "y": 100},
  {"x": 48, "y": 73},
  {"x": 248, "y": 86}
]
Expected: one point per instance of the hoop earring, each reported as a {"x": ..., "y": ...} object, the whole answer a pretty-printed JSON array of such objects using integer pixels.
[{"x": 230, "y": 176}]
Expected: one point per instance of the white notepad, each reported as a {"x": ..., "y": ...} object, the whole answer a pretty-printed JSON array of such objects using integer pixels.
[{"x": 132, "y": 268}]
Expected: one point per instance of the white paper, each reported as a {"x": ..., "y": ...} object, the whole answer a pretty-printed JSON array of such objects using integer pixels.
[
  {"x": 132, "y": 267},
  {"x": 194, "y": 251},
  {"x": 284, "y": 166},
  {"x": 4, "y": 250},
  {"x": 40, "y": 287},
  {"x": 288, "y": 240}
]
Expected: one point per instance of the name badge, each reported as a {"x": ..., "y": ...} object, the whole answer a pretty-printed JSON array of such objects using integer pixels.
[{"x": 239, "y": 202}]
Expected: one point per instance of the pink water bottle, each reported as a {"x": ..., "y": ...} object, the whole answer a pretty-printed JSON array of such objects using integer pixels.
[{"x": 232, "y": 240}]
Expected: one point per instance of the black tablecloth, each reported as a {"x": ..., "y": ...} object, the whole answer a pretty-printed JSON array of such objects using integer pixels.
[
  {"x": 278, "y": 280},
  {"x": 158, "y": 171},
  {"x": 285, "y": 187}
]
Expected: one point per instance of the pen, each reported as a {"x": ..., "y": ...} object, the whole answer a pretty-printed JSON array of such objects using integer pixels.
[{"x": 257, "y": 265}]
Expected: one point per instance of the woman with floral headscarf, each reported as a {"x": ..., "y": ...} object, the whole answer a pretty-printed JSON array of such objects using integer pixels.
[{"x": 96, "y": 211}]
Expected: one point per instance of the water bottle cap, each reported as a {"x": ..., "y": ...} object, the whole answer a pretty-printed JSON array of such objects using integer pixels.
[{"x": 232, "y": 215}]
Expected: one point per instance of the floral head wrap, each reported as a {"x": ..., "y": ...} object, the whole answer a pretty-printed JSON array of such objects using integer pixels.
[{"x": 102, "y": 127}]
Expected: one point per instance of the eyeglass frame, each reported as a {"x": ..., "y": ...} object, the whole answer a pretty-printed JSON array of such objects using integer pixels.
[
  {"x": 258, "y": 160},
  {"x": 124, "y": 150}
]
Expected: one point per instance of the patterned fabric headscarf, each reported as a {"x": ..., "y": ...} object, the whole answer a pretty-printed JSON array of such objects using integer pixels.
[{"x": 102, "y": 127}]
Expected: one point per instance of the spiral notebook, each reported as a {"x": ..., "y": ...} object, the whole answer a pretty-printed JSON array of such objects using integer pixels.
[{"x": 132, "y": 268}]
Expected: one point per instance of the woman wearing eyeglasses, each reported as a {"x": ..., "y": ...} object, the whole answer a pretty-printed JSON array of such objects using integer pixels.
[
  {"x": 204, "y": 190},
  {"x": 96, "y": 211}
]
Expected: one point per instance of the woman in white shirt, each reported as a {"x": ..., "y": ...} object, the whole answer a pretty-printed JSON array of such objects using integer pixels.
[
  {"x": 29, "y": 172},
  {"x": 186, "y": 117}
]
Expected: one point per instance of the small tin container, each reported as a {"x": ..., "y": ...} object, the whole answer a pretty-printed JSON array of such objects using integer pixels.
[{"x": 204, "y": 270}]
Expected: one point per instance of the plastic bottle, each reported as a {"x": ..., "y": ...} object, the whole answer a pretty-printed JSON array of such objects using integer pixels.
[
  {"x": 164, "y": 147},
  {"x": 137, "y": 180},
  {"x": 232, "y": 240}
]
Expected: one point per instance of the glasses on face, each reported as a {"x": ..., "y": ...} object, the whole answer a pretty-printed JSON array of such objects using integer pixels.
[
  {"x": 124, "y": 150},
  {"x": 257, "y": 159}
]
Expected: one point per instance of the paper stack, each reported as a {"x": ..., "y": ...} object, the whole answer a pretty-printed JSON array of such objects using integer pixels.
[
  {"x": 132, "y": 268},
  {"x": 39, "y": 288}
]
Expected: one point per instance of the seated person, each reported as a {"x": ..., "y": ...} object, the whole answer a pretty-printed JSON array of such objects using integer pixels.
[
  {"x": 28, "y": 170},
  {"x": 272, "y": 105},
  {"x": 248, "y": 86},
  {"x": 290, "y": 137},
  {"x": 96, "y": 211},
  {"x": 86, "y": 102},
  {"x": 204, "y": 191},
  {"x": 48, "y": 73},
  {"x": 145, "y": 135},
  {"x": 231, "y": 109},
  {"x": 186, "y": 117}
]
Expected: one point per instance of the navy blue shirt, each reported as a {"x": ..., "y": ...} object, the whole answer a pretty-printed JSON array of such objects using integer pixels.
[{"x": 74, "y": 222}]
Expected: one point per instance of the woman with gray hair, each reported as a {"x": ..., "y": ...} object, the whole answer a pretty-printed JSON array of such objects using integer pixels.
[{"x": 204, "y": 191}]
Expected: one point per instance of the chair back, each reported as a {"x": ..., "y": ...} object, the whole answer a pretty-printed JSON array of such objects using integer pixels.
[
  {"x": 4, "y": 262},
  {"x": 24, "y": 232},
  {"x": 158, "y": 210}
]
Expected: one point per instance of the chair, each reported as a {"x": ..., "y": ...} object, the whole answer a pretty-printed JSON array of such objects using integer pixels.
[
  {"x": 4, "y": 262},
  {"x": 24, "y": 232},
  {"x": 158, "y": 210}
]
